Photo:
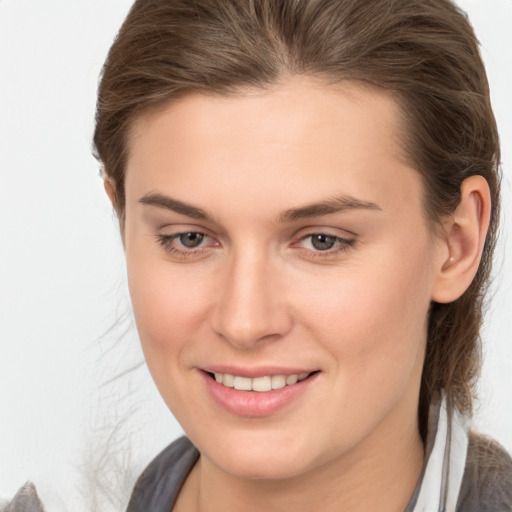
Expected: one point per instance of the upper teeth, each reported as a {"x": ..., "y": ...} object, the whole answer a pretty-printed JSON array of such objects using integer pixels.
[{"x": 266, "y": 383}]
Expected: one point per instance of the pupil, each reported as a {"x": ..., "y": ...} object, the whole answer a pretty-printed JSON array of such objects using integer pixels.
[
  {"x": 191, "y": 240},
  {"x": 323, "y": 242}
]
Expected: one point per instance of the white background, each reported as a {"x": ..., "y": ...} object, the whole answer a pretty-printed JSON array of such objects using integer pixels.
[{"x": 62, "y": 276}]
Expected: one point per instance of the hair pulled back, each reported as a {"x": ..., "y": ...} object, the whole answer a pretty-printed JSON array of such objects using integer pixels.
[{"x": 423, "y": 52}]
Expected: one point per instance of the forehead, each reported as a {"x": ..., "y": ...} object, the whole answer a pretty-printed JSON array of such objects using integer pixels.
[
  {"x": 281, "y": 110},
  {"x": 300, "y": 138}
]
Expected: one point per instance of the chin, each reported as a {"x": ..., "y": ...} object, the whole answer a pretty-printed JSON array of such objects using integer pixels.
[
  {"x": 263, "y": 466},
  {"x": 262, "y": 455}
]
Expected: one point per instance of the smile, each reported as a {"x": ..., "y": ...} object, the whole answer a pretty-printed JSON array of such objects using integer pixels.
[
  {"x": 259, "y": 384},
  {"x": 257, "y": 395}
]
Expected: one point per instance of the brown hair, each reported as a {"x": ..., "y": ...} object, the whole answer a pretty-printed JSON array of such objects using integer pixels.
[{"x": 424, "y": 52}]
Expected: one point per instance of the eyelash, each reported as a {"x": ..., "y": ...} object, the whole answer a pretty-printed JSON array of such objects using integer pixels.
[{"x": 342, "y": 245}]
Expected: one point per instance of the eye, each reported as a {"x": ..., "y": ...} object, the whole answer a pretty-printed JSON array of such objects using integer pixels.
[
  {"x": 324, "y": 244},
  {"x": 186, "y": 243},
  {"x": 190, "y": 240}
]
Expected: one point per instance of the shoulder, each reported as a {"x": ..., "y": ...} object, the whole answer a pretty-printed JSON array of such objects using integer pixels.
[
  {"x": 26, "y": 500},
  {"x": 487, "y": 481},
  {"x": 158, "y": 486}
]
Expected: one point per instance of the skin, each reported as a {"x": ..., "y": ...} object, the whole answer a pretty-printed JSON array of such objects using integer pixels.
[{"x": 256, "y": 291}]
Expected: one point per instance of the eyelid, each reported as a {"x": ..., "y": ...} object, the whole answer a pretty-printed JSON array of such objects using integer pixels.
[
  {"x": 330, "y": 230},
  {"x": 343, "y": 234}
]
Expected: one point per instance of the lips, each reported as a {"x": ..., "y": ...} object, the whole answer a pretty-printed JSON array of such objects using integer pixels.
[{"x": 256, "y": 396}]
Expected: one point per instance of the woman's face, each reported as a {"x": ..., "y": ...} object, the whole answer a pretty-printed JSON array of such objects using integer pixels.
[{"x": 271, "y": 236}]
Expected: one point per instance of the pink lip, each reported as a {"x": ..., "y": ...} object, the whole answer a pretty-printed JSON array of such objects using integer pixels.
[{"x": 252, "y": 403}]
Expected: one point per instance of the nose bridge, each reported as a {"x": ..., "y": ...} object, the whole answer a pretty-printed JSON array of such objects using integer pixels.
[{"x": 251, "y": 307}]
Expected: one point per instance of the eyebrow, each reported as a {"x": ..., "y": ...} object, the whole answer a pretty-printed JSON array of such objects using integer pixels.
[
  {"x": 314, "y": 210},
  {"x": 328, "y": 207},
  {"x": 161, "y": 201}
]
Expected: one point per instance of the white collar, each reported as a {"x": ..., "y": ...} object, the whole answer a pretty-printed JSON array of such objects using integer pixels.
[{"x": 444, "y": 469}]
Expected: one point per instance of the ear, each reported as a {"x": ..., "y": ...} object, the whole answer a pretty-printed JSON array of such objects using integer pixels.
[
  {"x": 465, "y": 232},
  {"x": 110, "y": 189}
]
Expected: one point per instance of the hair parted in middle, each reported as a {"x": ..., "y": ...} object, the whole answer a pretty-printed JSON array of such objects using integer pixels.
[{"x": 422, "y": 52}]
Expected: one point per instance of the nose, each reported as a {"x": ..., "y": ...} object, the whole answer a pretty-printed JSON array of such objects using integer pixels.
[{"x": 251, "y": 306}]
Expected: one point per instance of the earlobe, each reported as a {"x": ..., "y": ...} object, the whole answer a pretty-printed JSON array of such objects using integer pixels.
[{"x": 465, "y": 234}]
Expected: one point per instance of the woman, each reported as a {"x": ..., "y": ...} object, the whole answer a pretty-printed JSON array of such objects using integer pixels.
[{"x": 308, "y": 196}]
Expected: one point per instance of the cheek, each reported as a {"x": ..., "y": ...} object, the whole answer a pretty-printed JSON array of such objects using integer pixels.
[
  {"x": 167, "y": 305},
  {"x": 169, "y": 309},
  {"x": 373, "y": 317},
  {"x": 373, "y": 326}
]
